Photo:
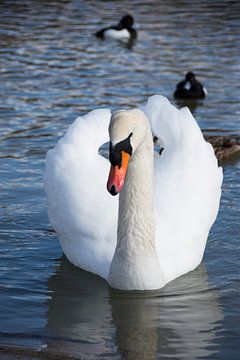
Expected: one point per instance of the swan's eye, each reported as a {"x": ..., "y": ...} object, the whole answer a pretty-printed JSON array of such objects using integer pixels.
[{"x": 115, "y": 156}]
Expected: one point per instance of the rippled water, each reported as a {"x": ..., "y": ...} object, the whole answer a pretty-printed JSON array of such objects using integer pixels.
[{"x": 52, "y": 68}]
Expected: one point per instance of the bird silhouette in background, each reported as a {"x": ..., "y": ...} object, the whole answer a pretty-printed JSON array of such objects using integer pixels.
[
  {"x": 190, "y": 88},
  {"x": 122, "y": 31}
]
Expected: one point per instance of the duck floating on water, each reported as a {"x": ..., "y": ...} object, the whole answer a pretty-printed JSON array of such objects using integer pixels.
[
  {"x": 122, "y": 31},
  {"x": 190, "y": 88},
  {"x": 224, "y": 146},
  {"x": 157, "y": 229}
]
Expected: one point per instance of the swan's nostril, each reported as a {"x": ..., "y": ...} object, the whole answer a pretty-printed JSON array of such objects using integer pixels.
[{"x": 113, "y": 190}]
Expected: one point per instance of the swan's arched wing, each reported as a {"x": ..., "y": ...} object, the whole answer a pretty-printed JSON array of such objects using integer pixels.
[
  {"x": 187, "y": 187},
  {"x": 80, "y": 209}
]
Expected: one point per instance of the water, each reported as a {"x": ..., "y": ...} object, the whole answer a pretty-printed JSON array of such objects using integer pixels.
[{"x": 53, "y": 69}]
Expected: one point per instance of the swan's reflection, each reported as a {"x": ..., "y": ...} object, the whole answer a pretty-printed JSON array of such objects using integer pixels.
[
  {"x": 192, "y": 104},
  {"x": 180, "y": 319}
]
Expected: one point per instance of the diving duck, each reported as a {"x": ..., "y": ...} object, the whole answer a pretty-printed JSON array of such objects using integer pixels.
[
  {"x": 190, "y": 88},
  {"x": 122, "y": 31}
]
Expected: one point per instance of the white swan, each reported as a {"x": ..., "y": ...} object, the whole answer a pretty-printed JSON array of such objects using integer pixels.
[{"x": 165, "y": 213}]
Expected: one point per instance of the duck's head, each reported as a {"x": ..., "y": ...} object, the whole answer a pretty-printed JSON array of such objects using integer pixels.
[
  {"x": 126, "y": 21},
  {"x": 127, "y": 130},
  {"x": 190, "y": 76}
]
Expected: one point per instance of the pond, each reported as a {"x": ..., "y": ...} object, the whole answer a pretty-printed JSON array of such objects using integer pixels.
[{"x": 54, "y": 69}]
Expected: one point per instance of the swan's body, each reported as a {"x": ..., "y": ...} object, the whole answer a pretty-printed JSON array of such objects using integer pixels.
[{"x": 166, "y": 207}]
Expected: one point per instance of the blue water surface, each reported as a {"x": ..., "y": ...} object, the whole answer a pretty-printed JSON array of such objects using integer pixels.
[{"x": 52, "y": 69}]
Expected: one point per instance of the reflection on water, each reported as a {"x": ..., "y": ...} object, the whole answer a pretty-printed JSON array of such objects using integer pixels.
[
  {"x": 183, "y": 318},
  {"x": 192, "y": 104}
]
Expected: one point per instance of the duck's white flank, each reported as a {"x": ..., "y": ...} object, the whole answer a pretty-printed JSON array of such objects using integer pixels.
[
  {"x": 117, "y": 34},
  {"x": 205, "y": 91},
  {"x": 166, "y": 208}
]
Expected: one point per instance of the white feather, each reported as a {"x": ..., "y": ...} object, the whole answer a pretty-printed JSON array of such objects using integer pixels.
[
  {"x": 117, "y": 34},
  {"x": 187, "y": 85},
  {"x": 205, "y": 91}
]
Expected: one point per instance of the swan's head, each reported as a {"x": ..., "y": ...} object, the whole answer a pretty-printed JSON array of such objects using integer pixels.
[{"x": 127, "y": 131}]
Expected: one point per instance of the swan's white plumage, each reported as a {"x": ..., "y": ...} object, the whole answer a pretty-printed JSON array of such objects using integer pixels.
[
  {"x": 186, "y": 194},
  {"x": 80, "y": 209},
  {"x": 187, "y": 187}
]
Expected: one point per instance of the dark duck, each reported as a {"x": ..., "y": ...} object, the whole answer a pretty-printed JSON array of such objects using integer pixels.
[
  {"x": 224, "y": 146},
  {"x": 122, "y": 31},
  {"x": 190, "y": 88}
]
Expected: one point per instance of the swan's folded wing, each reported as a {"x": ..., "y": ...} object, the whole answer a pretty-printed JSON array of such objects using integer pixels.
[
  {"x": 187, "y": 187},
  {"x": 80, "y": 209}
]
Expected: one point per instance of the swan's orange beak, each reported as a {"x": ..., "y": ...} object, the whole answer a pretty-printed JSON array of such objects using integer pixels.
[{"x": 117, "y": 175}]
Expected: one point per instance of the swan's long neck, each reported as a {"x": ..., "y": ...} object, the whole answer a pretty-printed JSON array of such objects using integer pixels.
[
  {"x": 135, "y": 264},
  {"x": 136, "y": 203}
]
